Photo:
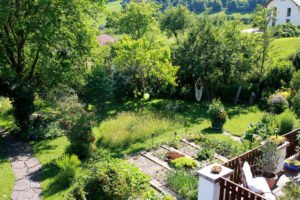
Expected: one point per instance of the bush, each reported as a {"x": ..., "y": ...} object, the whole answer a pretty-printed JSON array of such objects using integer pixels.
[
  {"x": 115, "y": 180},
  {"x": 286, "y": 30},
  {"x": 296, "y": 104},
  {"x": 184, "y": 183},
  {"x": 78, "y": 125},
  {"x": 184, "y": 162},
  {"x": 278, "y": 140},
  {"x": 286, "y": 122},
  {"x": 48, "y": 131},
  {"x": 217, "y": 114},
  {"x": 277, "y": 103},
  {"x": 205, "y": 154},
  {"x": 295, "y": 82},
  {"x": 69, "y": 166},
  {"x": 291, "y": 191}
]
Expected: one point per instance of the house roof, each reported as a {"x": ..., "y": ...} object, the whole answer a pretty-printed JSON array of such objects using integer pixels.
[
  {"x": 297, "y": 2},
  {"x": 105, "y": 39}
]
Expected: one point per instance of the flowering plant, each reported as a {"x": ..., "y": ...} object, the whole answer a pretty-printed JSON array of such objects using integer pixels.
[
  {"x": 278, "y": 103},
  {"x": 78, "y": 124}
]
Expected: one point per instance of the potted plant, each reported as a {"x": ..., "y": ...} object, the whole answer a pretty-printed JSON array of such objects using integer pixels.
[
  {"x": 268, "y": 161},
  {"x": 217, "y": 114}
]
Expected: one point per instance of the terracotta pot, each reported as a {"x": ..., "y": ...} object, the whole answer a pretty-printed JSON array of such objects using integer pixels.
[{"x": 272, "y": 181}]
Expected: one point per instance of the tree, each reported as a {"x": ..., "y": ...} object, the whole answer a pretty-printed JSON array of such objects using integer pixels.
[
  {"x": 176, "y": 19},
  {"x": 262, "y": 20},
  {"x": 136, "y": 19},
  {"x": 146, "y": 63},
  {"x": 42, "y": 43}
]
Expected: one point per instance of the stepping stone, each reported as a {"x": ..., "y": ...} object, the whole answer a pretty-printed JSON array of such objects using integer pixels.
[
  {"x": 35, "y": 185},
  {"x": 32, "y": 162},
  {"x": 22, "y": 158},
  {"x": 35, "y": 168},
  {"x": 20, "y": 173},
  {"x": 18, "y": 164},
  {"x": 22, "y": 185}
]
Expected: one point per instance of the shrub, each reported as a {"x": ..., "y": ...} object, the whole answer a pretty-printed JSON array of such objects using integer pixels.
[
  {"x": 286, "y": 30},
  {"x": 217, "y": 114},
  {"x": 286, "y": 122},
  {"x": 115, "y": 180},
  {"x": 291, "y": 191},
  {"x": 184, "y": 162},
  {"x": 277, "y": 103},
  {"x": 205, "y": 154},
  {"x": 268, "y": 161},
  {"x": 184, "y": 183},
  {"x": 295, "y": 82},
  {"x": 78, "y": 125},
  {"x": 69, "y": 166},
  {"x": 172, "y": 155},
  {"x": 296, "y": 104}
]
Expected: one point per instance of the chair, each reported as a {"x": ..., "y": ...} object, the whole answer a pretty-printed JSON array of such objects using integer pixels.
[{"x": 256, "y": 184}]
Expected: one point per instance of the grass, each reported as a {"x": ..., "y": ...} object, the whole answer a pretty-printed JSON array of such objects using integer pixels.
[
  {"x": 47, "y": 152},
  {"x": 282, "y": 48},
  {"x": 6, "y": 118},
  {"x": 183, "y": 183},
  {"x": 113, "y": 6},
  {"x": 7, "y": 178},
  {"x": 238, "y": 124}
]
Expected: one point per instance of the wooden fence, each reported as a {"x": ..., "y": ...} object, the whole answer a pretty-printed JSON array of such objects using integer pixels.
[
  {"x": 232, "y": 191},
  {"x": 292, "y": 138}
]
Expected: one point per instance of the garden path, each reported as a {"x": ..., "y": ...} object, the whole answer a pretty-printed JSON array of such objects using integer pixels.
[{"x": 25, "y": 167}]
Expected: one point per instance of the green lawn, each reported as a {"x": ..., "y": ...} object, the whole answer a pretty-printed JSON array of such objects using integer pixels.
[
  {"x": 114, "y": 6},
  {"x": 7, "y": 178},
  {"x": 282, "y": 48}
]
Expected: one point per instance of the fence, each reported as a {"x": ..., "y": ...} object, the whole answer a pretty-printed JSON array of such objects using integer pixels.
[
  {"x": 292, "y": 138},
  {"x": 232, "y": 191}
]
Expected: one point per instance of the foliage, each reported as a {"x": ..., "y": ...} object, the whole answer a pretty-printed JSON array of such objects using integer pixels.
[
  {"x": 184, "y": 183},
  {"x": 145, "y": 63},
  {"x": 286, "y": 30},
  {"x": 184, "y": 162},
  {"x": 217, "y": 112},
  {"x": 268, "y": 161},
  {"x": 291, "y": 191},
  {"x": 277, "y": 103},
  {"x": 7, "y": 178},
  {"x": 136, "y": 19},
  {"x": 46, "y": 131},
  {"x": 205, "y": 154},
  {"x": 295, "y": 82},
  {"x": 114, "y": 179},
  {"x": 78, "y": 125},
  {"x": 286, "y": 122},
  {"x": 217, "y": 55},
  {"x": 42, "y": 44},
  {"x": 176, "y": 19},
  {"x": 69, "y": 166},
  {"x": 296, "y": 104}
]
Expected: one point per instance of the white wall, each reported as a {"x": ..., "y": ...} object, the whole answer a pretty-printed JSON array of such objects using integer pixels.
[{"x": 282, "y": 6}]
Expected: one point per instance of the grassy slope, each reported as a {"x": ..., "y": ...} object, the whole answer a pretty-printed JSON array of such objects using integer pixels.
[
  {"x": 7, "y": 178},
  {"x": 114, "y": 6},
  {"x": 283, "y": 47}
]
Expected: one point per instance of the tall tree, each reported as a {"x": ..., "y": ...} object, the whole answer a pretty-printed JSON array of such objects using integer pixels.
[
  {"x": 262, "y": 19},
  {"x": 42, "y": 43},
  {"x": 176, "y": 19},
  {"x": 146, "y": 63},
  {"x": 136, "y": 19}
]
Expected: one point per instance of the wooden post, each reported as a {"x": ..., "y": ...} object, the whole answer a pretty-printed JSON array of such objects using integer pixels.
[{"x": 238, "y": 94}]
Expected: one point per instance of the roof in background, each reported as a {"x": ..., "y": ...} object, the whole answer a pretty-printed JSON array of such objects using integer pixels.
[
  {"x": 105, "y": 39},
  {"x": 297, "y": 2}
]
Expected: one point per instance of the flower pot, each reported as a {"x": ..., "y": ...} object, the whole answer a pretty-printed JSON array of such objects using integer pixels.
[
  {"x": 271, "y": 180},
  {"x": 217, "y": 124}
]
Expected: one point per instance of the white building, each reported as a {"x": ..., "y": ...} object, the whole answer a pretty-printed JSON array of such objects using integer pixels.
[{"x": 287, "y": 11}]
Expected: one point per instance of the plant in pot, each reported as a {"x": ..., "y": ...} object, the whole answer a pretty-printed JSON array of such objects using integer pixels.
[
  {"x": 217, "y": 114},
  {"x": 268, "y": 161}
]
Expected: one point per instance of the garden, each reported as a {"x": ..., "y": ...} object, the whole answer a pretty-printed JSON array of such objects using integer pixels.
[{"x": 121, "y": 121}]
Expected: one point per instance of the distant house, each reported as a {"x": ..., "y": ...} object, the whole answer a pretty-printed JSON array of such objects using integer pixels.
[
  {"x": 287, "y": 11},
  {"x": 105, "y": 39}
]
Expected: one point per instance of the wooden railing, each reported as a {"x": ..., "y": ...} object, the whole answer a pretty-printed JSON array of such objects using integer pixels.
[
  {"x": 232, "y": 191},
  {"x": 250, "y": 156},
  {"x": 292, "y": 138}
]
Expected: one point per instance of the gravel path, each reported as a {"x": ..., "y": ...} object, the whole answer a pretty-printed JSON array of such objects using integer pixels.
[{"x": 25, "y": 166}]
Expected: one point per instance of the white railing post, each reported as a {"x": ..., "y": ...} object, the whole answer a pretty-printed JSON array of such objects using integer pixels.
[{"x": 209, "y": 187}]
